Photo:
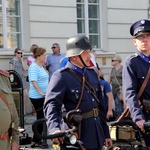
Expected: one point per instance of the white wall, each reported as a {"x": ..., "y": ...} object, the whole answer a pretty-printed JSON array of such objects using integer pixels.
[
  {"x": 52, "y": 22},
  {"x": 121, "y": 14}
]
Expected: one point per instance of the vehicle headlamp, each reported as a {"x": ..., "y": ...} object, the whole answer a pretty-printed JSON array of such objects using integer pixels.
[{"x": 71, "y": 138}]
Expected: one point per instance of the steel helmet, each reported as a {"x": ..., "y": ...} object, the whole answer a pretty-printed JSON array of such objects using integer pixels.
[{"x": 76, "y": 45}]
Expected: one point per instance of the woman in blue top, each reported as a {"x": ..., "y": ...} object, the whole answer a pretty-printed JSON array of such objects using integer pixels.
[{"x": 38, "y": 80}]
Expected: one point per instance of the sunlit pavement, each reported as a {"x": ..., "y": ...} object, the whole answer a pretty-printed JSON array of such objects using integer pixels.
[{"x": 28, "y": 121}]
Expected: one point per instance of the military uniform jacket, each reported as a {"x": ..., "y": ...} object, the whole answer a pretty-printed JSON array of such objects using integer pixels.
[
  {"x": 134, "y": 72},
  {"x": 7, "y": 116},
  {"x": 66, "y": 89}
]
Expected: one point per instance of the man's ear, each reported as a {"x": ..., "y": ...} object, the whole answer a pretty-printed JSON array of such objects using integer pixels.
[
  {"x": 73, "y": 58},
  {"x": 134, "y": 41}
]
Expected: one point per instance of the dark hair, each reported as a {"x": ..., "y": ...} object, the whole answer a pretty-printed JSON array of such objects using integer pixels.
[
  {"x": 38, "y": 52},
  {"x": 16, "y": 50},
  {"x": 34, "y": 46}
]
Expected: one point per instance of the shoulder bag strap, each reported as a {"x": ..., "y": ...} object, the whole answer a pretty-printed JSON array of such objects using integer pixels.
[
  {"x": 83, "y": 84},
  {"x": 82, "y": 90},
  {"x": 144, "y": 84},
  {"x": 116, "y": 78}
]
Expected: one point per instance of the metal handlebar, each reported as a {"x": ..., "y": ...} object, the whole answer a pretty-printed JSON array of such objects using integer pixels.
[
  {"x": 56, "y": 135},
  {"x": 131, "y": 123}
]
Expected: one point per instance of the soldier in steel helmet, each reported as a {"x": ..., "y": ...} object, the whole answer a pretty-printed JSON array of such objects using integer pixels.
[
  {"x": 135, "y": 70},
  {"x": 9, "y": 121},
  {"x": 65, "y": 89}
]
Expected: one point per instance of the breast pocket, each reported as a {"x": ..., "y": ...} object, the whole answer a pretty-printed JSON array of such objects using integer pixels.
[
  {"x": 97, "y": 89},
  {"x": 76, "y": 92},
  {"x": 141, "y": 76}
]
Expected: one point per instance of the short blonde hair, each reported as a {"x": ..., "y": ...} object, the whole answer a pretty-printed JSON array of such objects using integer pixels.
[{"x": 118, "y": 58}]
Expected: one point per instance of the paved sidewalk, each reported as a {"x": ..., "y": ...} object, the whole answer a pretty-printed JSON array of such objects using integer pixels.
[{"x": 28, "y": 121}]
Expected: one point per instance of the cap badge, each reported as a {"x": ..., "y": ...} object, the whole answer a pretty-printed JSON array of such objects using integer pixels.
[
  {"x": 86, "y": 40},
  {"x": 142, "y": 21}
]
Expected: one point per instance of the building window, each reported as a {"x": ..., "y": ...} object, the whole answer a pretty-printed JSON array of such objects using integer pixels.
[
  {"x": 149, "y": 10},
  {"x": 88, "y": 20},
  {"x": 10, "y": 24}
]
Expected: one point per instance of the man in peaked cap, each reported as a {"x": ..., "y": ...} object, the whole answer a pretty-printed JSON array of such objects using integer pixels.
[
  {"x": 135, "y": 71},
  {"x": 65, "y": 89},
  {"x": 140, "y": 27}
]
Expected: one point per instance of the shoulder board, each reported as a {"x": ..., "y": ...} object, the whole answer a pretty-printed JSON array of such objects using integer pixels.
[
  {"x": 132, "y": 56},
  {"x": 63, "y": 69},
  {"x": 5, "y": 73},
  {"x": 92, "y": 68}
]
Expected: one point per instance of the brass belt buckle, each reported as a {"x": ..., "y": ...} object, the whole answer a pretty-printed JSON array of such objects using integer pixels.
[{"x": 95, "y": 112}]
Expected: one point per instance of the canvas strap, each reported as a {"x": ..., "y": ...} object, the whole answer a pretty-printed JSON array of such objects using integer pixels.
[{"x": 116, "y": 78}]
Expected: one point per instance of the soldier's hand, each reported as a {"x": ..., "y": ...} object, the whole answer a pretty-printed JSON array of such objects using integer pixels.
[
  {"x": 109, "y": 114},
  {"x": 58, "y": 140},
  {"x": 108, "y": 143},
  {"x": 14, "y": 146},
  {"x": 140, "y": 124}
]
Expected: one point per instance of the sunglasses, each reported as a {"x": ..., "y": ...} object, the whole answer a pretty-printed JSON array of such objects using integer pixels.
[
  {"x": 19, "y": 52},
  {"x": 54, "y": 47},
  {"x": 113, "y": 60}
]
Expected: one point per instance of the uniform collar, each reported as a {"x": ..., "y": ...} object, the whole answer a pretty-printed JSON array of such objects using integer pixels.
[
  {"x": 144, "y": 57},
  {"x": 76, "y": 68}
]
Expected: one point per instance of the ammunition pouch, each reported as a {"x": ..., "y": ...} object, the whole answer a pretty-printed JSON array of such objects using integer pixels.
[
  {"x": 122, "y": 133},
  {"x": 146, "y": 105}
]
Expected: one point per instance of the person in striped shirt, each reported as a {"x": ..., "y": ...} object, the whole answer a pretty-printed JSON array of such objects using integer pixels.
[{"x": 38, "y": 80}]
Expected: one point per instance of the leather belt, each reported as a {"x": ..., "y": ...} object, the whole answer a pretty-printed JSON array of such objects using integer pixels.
[
  {"x": 4, "y": 136},
  {"x": 89, "y": 114}
]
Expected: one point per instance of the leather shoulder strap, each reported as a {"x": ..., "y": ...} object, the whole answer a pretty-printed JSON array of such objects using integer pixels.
[
  {"x": 144, "y": 84},
  {"x": 81, "y": 80},
  {"x": 87, "y": 85}
]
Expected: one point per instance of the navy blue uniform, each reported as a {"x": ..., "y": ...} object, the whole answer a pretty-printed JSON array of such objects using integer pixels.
[
  {"x": 134, "y": 72},
  {"x": 66, "y": 89}
]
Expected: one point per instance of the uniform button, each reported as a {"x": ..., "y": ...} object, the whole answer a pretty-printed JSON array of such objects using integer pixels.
[
  {"x": 93, "y": 100},
  {"x": 142, "y": 77},
  {"x": 95, "y": 118}
]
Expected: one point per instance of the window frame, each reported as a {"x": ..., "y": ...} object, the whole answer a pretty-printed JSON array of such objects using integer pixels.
[
  {"x": 5, "y": 26},
  {"x": 86, "y": 20}
]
